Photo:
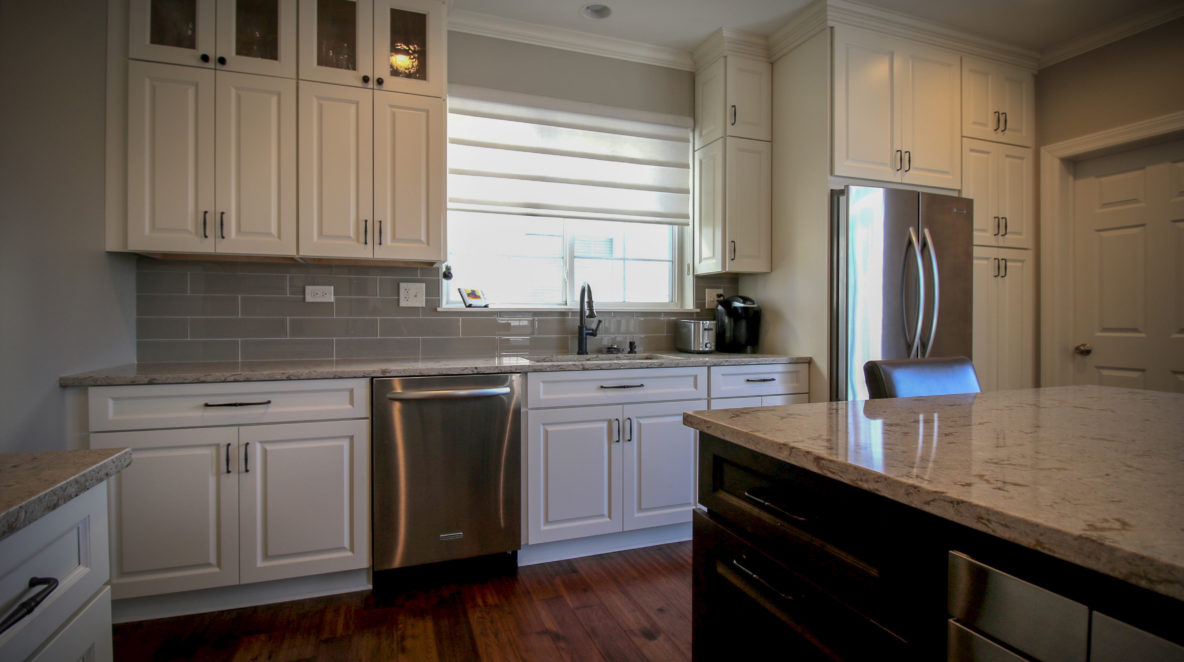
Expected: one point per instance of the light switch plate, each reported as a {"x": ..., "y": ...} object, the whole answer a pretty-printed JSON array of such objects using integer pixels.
[
  {"x": 411, "y": 295},
  {"x": 709, "y": 299},
  {"x": 318, "y": 293}
]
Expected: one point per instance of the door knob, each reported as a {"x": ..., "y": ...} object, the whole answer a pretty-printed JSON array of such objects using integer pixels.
[{"x": 1084, "y": 349}]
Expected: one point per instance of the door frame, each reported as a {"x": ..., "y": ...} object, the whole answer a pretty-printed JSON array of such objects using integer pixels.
[{"x": 1058, "y": 165}]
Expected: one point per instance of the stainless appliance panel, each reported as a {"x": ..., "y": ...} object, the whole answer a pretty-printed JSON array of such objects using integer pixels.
[
  {"x": 446, "y": 472},
  {"x": 1111, "y": 640},
  {"x": 963, "y": 645},
  {"x": 696, "y": 336},
  {"x": 947, "y": 252}
]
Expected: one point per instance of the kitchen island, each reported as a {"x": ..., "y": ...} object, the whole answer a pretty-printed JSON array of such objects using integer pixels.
[{"x": 1074, "y": 489}]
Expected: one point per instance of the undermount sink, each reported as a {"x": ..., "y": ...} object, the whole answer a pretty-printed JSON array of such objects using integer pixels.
[{"x": 571, "y": 358}]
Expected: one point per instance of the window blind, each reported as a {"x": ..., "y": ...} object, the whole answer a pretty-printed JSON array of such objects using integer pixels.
[{"x": 512, "y": 158}]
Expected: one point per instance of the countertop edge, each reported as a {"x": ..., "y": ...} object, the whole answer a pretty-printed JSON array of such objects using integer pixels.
[
  {"x": 34, "y": 508},
  {"x": 1100, "y": 556}
]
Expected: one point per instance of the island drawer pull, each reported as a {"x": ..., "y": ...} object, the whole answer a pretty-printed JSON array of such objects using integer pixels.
[
  {"x": 28, "y": 606},
  {"x": 763, "y": 380},
  {"x": 772, "y": 506},
  {"x": 614, "y": 386},
  {"x": 762, "y": 581},
  {"x": 238, "y": 404}
]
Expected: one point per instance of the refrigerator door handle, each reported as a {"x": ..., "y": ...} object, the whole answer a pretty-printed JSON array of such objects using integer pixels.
[
  {"x": 928, "y": 242},
  {"x": 914, "y": 340}
]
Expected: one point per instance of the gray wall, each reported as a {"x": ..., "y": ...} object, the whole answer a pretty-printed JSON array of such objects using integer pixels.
[
  {"x": 527, "y": 69},
  {"x": 1137, "y": 78},
  {"x": 65, "y": 305}
]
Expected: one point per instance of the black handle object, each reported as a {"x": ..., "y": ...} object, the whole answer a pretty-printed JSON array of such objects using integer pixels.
[
  {"x": 28, "y": 606},
  {"x": 378, "y": 81},
  {"x": 366, "y": 79},
  {"x": 1004, "y": 268},
  {"x": 733, "y": 114},
  {"x": 227, "y": 458},
  {"x": 247, "y": 458},
  {"x": 365, "y": 232},
  {"x": 997, "y": 226},
  {"x": 733, "y": 251},
  {"x": 237, "y": 404},
  {"x": 1004, "y": 129},
  {"x": 1004, "y": 225},
  {"x": 614, "y": 386},
  {"x": 380, "y": 233},
  {"x": 908, "y": 155},
  {"x": 222, "y": 60},
  {"x": 204, "y": 215},
  {"x": 222, "y": 225},
  {"x": 774, "y": 507},
  {"x": 205, "y": 57},
  {"x": 629, "y": 429},
  {"x": 758, "y": 579},
  {"x": 617, "y": 423},
  {"x": 996, "y": 120},
  {"x": 899, "y": 159},
  {"x": 996, "y": 267},
  {"x": 762, "y": 380}
]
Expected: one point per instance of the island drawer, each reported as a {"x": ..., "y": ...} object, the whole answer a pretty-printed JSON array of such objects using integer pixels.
[
  {"x": 737, "y": 381},
  {"x": 577, "y": 388}
]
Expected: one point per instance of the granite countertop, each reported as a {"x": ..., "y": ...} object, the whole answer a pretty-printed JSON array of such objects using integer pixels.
[
  {"x": 1088, "y": 474},
  {"x": 34, "y": 484},
  {"x": 252, "y": 371}
]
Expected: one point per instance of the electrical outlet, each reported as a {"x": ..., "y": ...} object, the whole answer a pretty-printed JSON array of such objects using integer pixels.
[
  {"x": 411, "y": 294},
  {"x": 709, "y": 300},
  {"x": 318, "y": 293}
]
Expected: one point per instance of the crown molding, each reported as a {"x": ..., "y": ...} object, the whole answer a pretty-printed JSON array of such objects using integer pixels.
[
  {"x": 569, "y": 40},
  {"x": 726, "y": 41},
  {"x": 1111, "y": 34},
  {"x": 803, "y": 25}
]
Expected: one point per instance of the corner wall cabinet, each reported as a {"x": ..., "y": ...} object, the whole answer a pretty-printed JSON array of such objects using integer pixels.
[
  {"x": 596, "y": 465},
  {"x": 1004, "y": 318},
  {"x": 235, "y": 483},
  {"x": 733, "y": 206},
  {"x": 998, "y": 102},
  {"x": 897, "y": 110},
  {"x": 733, "y": 97},
  {"x": 1001, "y": 180}
]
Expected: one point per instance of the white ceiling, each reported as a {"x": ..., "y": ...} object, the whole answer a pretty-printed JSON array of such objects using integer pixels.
[{"x": 1037, "y": 25}]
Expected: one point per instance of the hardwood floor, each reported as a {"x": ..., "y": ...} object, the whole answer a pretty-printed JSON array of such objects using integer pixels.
[{"x": 632, "y": 605}]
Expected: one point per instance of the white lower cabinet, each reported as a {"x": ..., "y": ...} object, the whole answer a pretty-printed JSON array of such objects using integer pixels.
[{"x": 1004, "y": 318}]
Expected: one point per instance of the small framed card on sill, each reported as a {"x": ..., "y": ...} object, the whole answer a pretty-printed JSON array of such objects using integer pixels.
[{"x": 473, "y": 298}]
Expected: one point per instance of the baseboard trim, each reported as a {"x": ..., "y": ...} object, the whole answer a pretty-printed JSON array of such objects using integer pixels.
[
  {"x": 234, "y": 597},
  {"x": 613, "y": 542}
]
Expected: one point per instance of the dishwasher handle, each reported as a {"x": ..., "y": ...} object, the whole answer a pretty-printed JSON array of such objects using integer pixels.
[{"x": 450, "y": 394}]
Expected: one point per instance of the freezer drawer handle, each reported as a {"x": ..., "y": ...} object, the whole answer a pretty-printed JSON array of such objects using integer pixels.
[
  {"x": 28, "y": 606},
  {"x": 928, "y": 241},
  {"x": 451, "y": 394},
  {"x": 615, "y": 386},
  {"x": 760, "y": 381},
  {"x": 261, "y": 403}
]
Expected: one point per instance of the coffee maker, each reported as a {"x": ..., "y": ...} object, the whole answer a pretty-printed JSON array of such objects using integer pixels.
[{"x": 737, "y": 324}]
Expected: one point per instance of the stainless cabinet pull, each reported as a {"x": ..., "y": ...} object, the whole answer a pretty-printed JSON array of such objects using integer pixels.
[
  {"x": 379, "y": 232},
  {"x": 733, "y": 114},
  {"x": 204, "y": 215},
  {"x": 1004, "y": 129},
  {"x": 449, "y": 394},
  {"x": 908, "y": 155},
  {"x": 365, "y": 232},
  {"x": 996, "y": 267},
  {"x": 899, "y": 159},
  {"x": 612, "y": 386},
  {"x": 774, "y": 507},
  {"x": 617, "y": 423},
  {"x": 1004, "y": 268},
  {"x": 733, "y": 251},
  {"x": 629, "y": 429},
  {"x": 28, "y": 606},
  {"x": 758, "y": 579},
  {"x": 222, "y": 225},
  {"x": 765, "y": 379},
  {"x": 247, "y": 458},
  {"x": 227, "y": 458},
  {"x": 1004, "y": 225},
  {"x": 996, "y": 121},
  {"x": 238, "y": 404},
  {"x": 997, "y": 226}
]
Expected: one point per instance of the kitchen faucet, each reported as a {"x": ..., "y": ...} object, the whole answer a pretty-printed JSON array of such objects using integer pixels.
[{"x": 582, "y": 331}]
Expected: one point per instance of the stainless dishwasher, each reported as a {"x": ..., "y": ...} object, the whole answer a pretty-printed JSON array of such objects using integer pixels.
[{"x": 446, "y": 470}]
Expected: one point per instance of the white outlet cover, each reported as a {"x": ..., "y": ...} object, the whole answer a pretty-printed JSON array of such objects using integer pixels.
[
  {"x": 411, "y": 295},
  {"x": 318, "y": 293},
  {"x": 709, "y": 299}
]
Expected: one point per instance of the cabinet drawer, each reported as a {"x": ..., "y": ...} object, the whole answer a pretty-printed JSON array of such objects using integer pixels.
[
  {"x": 239, "y": 403},
  {"x": 759, "y": 401},
  {"x": 69, "y": 545},
  {"x": 736, "y": 381},
  {"x": 86, "y": 637},
  {"x": 603, "y": 387}
]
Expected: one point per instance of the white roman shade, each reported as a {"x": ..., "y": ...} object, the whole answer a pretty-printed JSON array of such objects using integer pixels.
[{"x": 524, "y": 156}]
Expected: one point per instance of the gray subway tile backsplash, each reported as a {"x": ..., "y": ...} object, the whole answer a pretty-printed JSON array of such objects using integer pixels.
[{"x": 193, "y": 311}]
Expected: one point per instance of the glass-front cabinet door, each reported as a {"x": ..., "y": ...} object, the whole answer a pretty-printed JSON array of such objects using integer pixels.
[
  {"x": 409, "y": 47},
  {"x": 172, "y": 31},
  {"x": 336, "y": 40},
  {"x": 257, "y": 37}
]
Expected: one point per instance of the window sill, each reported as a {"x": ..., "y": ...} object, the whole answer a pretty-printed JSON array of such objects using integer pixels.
[{"x": 564, "y": 309}]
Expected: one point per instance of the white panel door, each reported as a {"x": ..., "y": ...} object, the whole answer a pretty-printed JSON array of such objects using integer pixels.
[
  {"x": 573, "y": 472},
  {"x": 985, "y": 271},
  {"x": 409, "y": 46},
  {"x": 749, "y": 108},
  {"x": 708, "y": 214},
  {"x": 709, "y": 104},
  {"x": 980, "y": 107},
  {"x": 748, "y": 204},
  {"x": 1129, "y": 285},
  {"x": 170, "y": 158},
  {"x": 256, "y": 172},
  {"x": 929, "y": 99},
  {"x": 174, "y": 512},
  {"x": 409, "y": 177},
  {"x": 1016, "y": 365},
  {"x": 257, "y": 37},
  {"x": 336, "y": 41},
  {"x": 304, "y": 499},
  {"x": 172, "y": 31},
  {"x": 658, "y": 471},
  {"x": 1017, "y": 95},
  {"x": 865, "y": 121},
  {"x": 980, "y": 173},
  {"x": 335, "y": 171},
  {"x": 1016, "y": 196}
]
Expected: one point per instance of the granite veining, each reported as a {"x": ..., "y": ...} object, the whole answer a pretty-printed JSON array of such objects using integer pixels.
[
  {"x": 34, "y": 484},
  {"x": 251, "y": 371},
  {"x": 1088, "y": 474}
]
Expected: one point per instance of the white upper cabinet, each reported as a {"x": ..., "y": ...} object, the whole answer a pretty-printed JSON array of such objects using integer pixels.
[
  {"x": 1001, "y": 180},
  {"x": 409, "y": 50},
  {"x": 733, "y": 206},
  {"x": 896, "y": 110},
  {"x": 336, "y": 41},
  {"x": 998, "y": 102},
  {"x": 733, "y": 97},
  {"x": 248, "y": 36},
  {"x": 409, "y": 177}
]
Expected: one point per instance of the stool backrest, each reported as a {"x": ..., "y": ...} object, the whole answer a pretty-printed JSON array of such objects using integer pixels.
[{"x": 904, "y": 378}]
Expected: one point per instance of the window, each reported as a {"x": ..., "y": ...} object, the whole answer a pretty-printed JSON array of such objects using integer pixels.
[{"x": 542, "y": 198}]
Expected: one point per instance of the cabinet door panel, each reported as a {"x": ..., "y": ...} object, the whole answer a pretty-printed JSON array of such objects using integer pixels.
[
  {"x": 980, "y": 174},
  {"x": 658, "y": 473},
  {"x": 709, "y": 104},
  {"x": 256, "y": 171},
  {"x": 749, "y": 91},
  {"x": 409, "y": 52},
  {"x": 979, "y": 104},
  {"x": 335, "y": 171},
  {"x": 929, "y": 106},
  {"x": 173, "y": 31},
  {"x": 336, "y": 41},
  {"x": 1016, "y": 181},
  {"x": 408, "y": 176},
  {"x": 1017, "y": 312},
  {"x": 748, "y": 202},
  {"x": 573, "y": 469},
  {"x": 170, "y": 158},
  {"x": 305, "y": 494},
  {"x": 257, "y": 36},
  {"x": 864, "y": 114},
  {"x": 985, "y": 276},
  {"x": 1017, "y": 98},
  {"x": 709, "y": 208},
  {"x": 174, "y": 512}
]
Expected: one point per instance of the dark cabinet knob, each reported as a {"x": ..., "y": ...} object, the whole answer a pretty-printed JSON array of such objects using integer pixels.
[
  {"x": 205, "y": 57},
  {"x": 378, "y": 81},
  {"x": 221, "y": 60},
  {"x": 366, "y": 79}
]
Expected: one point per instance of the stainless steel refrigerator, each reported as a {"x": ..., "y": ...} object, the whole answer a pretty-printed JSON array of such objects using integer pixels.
[{"x": 901, "y": 280}]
